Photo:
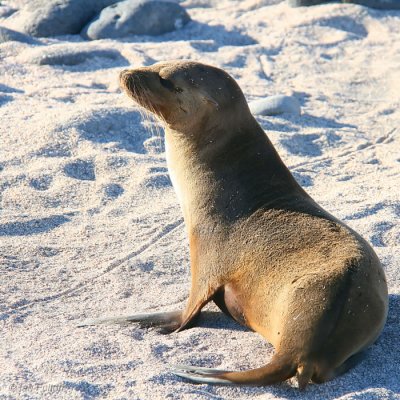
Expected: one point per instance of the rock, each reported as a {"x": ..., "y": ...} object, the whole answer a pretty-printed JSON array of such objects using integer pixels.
[
  {"x": 8, "y": 35},
  {"x": 44, "y": 18},
  {"x": 65, "y": 55},
  {"x": 380, "y": 4},
  {"x": 136, "y": 17},
  {"x": 275, "y": 105}
]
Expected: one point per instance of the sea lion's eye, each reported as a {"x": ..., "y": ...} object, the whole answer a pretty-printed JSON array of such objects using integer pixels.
[{"x": 167, "y": 84}]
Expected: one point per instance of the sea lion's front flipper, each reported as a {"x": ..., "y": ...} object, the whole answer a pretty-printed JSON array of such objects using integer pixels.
[
  {"x": 199, "y": 296},
  {"x": 169, "y": 320}
]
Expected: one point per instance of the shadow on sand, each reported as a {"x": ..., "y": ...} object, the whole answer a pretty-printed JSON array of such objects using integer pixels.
[
  {"x": 202, "y": 37},
  {"x": 34, "y": 226}
]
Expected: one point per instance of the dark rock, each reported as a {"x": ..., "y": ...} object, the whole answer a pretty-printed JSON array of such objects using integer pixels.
[
  {"x": 136, "y": 17},
  {"x": 8, "y": 35},
  {"x": 44, "y": 18}
]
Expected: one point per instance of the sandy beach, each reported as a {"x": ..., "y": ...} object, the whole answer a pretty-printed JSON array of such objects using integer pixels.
[{"x": 90, "y": 225}]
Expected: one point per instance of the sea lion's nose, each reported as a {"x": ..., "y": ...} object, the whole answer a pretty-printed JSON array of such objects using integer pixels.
[{"x": 123, "y": 72}]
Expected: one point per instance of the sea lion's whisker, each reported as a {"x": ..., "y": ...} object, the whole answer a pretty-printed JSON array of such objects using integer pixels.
[
  {"x": 142, "y": 97},
  {"x": 154, "y": 117}
]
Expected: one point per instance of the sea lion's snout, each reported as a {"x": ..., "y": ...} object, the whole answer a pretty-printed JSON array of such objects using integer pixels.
[
  {"x": 123, "y": 73},
  {"x": 124, "y": 77},
  {"x": 131, "y": 81}
]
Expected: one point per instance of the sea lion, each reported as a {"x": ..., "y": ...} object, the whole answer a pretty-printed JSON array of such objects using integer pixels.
[{"x": 260, "y": 247}]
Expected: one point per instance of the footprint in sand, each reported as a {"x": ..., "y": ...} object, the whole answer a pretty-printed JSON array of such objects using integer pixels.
[
  {"x": 81, "y": 169},
  {"x": 112, "y": 128},
  {"x": 157, "y": 181},
  {"x": 138, "y": 334},
  {"x": 382, "y": 236},
  {"x": 117, "y": 162},
  {"x": 145, "y": 266},
  {"x": 112, "y": 191},
  {"x": 103, "y": 349},
  {"x": 302, "y": 145},
  {"x": 33, "y": 226},
  {"x": 54, "y": 150},
  {"x": 85, "y": 389},
  {"x": 366, "y": 212},
  {"x": 345, "y": 24},
  {"x": 41, "y": 183},
  {"x": 161, "y": 350},
  {"x": 61, "y": 55},
  {"x": 47, "y": 251},
  {"x": 158, "y": 170}
]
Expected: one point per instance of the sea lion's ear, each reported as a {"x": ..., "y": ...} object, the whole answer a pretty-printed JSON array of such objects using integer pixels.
[{"x": 208, "y": 99}]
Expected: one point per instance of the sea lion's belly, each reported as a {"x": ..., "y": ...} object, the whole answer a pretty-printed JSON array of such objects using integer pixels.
[
  {"x": 247, "y": 307},
  {"x": 230, "y": 301}
]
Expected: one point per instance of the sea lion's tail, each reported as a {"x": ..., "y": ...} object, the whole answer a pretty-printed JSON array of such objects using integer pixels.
[{"x": 278, "y": 370}]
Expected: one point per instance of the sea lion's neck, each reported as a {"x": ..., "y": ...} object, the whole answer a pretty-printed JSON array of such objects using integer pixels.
[{"x": 227, "y": 173}]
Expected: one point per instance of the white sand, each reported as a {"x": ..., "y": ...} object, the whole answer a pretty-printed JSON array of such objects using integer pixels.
[{"x": 90, "y": 225}]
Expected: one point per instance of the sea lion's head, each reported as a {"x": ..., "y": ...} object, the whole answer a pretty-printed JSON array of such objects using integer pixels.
[{"x": 185, "y": 94}]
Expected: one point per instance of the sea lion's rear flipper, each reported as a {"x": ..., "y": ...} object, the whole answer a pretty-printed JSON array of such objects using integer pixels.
[
  {"x": 170, "y": 320},
  {"x": 278, "y": 370}
]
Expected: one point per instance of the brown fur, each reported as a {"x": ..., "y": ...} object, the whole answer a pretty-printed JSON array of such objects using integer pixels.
[{"x": 260, "y": 247}]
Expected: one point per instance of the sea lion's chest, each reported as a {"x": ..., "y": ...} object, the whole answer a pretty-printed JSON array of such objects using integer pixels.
[{"x": 174, "y": 165}]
